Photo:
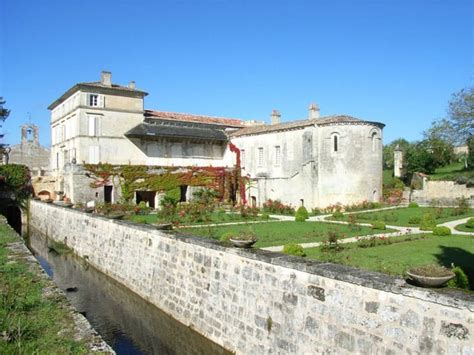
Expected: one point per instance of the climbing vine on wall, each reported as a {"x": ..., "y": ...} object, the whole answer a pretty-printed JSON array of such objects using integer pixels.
[{"x": 157, "y": 178}]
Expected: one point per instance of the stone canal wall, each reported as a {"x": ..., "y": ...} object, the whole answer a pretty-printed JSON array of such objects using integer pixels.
[{"x": 257, "y": 302}]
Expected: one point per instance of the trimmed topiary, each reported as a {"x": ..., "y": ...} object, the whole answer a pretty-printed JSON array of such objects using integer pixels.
[
  {"x": 265, "y": 216},
  {"x": 461, "y": 280},
  {"x": 294, "y": 249},
  {"x": 413, "y": 205},
  {"x": 301, "y": 214},
  {"x": 379, "y": 225},
  {"x": 441, "y": 231},
  {"x": 428, "y": 222},
  {"x": 470, "y": 223}
]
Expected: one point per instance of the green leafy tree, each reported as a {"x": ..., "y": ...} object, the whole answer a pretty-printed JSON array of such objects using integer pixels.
[
  {"x": 389, "y": 149},
  {"x": 4, "y": 113},
  {"x": 461, "y": 114}
]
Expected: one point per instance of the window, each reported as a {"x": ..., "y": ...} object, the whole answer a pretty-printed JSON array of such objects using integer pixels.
[
  {"x": 260, "y": 156},
  {"x": 336, "y": 143},
  {"x": 374, "y": 142},
  {"x": 93, "y": 100},
  {"x": 94, "y": 154},
  {"x": 277, "y": 155},
  {"x": 94, "y": 126},
  {"x": 242, "y": 158}
]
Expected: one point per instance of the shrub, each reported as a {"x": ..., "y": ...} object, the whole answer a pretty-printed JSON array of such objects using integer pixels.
[
  {"x": 461, "y": 280},
  {"x": 470, "y": 223},
  {"x": 226, "y": 236},
  {"x": 265, "y": 216},
  {"x": 462, "y": 206},
  {"x": 441, "y": 231},
  {"x": 413, "y": 205},
  {"x": 276, "y": 206},
  {"x": 414, "y": 220},
  {"x": 301, "y": 214},
  {"x": 331, "y": 244},
  {"x": 294, "y": 249},
  {"x": 378, "y": 225},
  {"x": 427, "y": 222},
  {"x": 338, "y": 215}
]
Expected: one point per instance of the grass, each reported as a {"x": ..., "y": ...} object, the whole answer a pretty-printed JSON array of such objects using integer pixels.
[
  {"x": 463, "y": 228},
  {"x": 401, "y": 216},
  {"x": 280, "y": 233},
  {"x": 30, "y": 322},
  {"x": 387, "y": 176},
  {"x": 405, "y": 252},
  {"x": 212, "y": 218},
  {"x": 452, "y": 172}
]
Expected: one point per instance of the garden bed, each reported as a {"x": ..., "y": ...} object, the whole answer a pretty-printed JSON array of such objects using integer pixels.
[
  {"x": 464, "y": 228},
  {"x": 404, "y": 216},
  {"x": 212, "y": 218},
  {"x": 398, "y": 254},
  {"x": 281, "y": 233}
]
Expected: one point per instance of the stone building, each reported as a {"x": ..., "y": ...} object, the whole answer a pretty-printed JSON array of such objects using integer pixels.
[
  {"x": 316, "y": 162},
  {"x": 37, "y": 158},
  {"x": 29, "y": 152},
  {"x": 313, "y": 162}
]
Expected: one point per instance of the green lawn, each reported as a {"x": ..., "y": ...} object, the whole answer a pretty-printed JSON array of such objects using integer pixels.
[
  {"x": 280, "y": 233},
  {"x": 452, "y": 172},
  {"x": 402, "y": 216},
  {"x": 387, "y": 176},
  {"x": 463, "y": 228},
  {"x": 30, "y": 322},
  {"x": 397, "y": 258},
  {"x": 213, "y": 218}
]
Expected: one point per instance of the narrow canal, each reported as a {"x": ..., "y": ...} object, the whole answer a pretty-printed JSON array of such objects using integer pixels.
[{"x": 129, "y": 324}]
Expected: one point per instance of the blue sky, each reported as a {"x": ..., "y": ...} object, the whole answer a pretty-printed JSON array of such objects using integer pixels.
[{"x": 397, "y": 62}]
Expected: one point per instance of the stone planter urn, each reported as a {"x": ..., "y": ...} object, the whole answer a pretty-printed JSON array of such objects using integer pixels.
[
  {"x": 431, "y": 277},
  {"x": 243, "y": 243}
]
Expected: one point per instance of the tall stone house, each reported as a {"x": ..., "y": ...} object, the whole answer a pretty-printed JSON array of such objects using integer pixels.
[{"x": 316, "y": 161}]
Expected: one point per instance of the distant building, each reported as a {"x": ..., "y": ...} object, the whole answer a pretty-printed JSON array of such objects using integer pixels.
[
  {"x": 37, "y": 158},
  {"x": 29, "y": 152},
  {"x": 461, "y": 149},
  {"x": 317, "y": 161}
]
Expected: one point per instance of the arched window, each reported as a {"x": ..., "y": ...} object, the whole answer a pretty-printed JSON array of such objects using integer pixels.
[
  {"x": 335, "y": 140},
  {"x": 374, "y": 138}
]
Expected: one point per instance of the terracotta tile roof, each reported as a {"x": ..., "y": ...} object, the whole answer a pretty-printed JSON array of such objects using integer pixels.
[
  {"x": 327, "y": 120},
  {"x": 186, "y": 117}
]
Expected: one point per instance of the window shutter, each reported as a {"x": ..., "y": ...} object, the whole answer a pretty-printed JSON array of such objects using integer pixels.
[
  {"x": 91, "y": 125},
  {"x": 97, "y": 126},
  {"x": 101, "y": 102}
]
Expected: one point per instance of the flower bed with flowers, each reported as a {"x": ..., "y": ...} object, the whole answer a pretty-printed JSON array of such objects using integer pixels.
[
  {"x": 395, "y": 255},
  {"x": 408, "y": 217},
  {"x": 281, "y": 233}
]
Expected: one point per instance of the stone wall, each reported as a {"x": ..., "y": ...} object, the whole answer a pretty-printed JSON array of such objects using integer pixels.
[
  {"x": 253, "y": 301},
  {"x": 446, "y": 192}
]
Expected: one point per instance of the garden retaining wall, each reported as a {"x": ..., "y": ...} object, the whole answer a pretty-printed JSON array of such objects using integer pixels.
[
  {"x": 256, "y": 302},
  {"x": 445, "y": 192}
]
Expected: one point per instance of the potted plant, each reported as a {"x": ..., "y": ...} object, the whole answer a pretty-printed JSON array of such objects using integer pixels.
[
  {"x": 430, "y": 275},
  {"x": 240, "y": 239}
]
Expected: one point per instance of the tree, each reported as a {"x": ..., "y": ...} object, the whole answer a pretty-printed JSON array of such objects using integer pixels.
[
  {"x": 461, "y": 114},
  {"x": 389, "y": 149},
  {"x": 4, "y": 113}
]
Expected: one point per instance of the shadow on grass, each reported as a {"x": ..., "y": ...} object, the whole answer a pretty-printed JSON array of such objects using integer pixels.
[{"x": 458, "y": 257}]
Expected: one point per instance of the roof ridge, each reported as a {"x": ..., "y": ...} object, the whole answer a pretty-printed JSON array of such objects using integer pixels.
[{"x": 197, "y": 115}]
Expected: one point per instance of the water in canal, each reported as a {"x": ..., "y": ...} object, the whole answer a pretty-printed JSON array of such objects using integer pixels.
[{"x": 129, "y": 324}]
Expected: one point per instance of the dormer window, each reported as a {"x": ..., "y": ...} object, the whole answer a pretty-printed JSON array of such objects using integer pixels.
[{"x": 93, "y": 100}]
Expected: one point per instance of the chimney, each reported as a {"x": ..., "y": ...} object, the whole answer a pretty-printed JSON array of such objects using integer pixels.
[
  {"x": 313, "y": 111},
  {"x": 131, "y": 85},
  {"x": 275, "y": 117},
  {"x": 106, "y": 78}
]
